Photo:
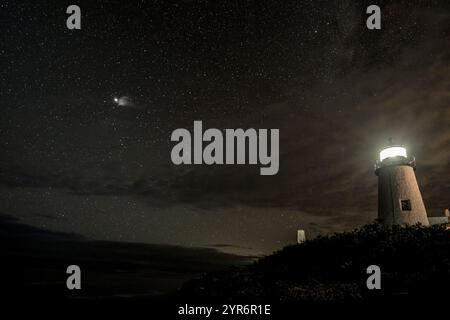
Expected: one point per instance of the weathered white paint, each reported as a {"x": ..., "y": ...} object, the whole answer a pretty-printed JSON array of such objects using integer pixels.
[{"x": 396, "y": 182}]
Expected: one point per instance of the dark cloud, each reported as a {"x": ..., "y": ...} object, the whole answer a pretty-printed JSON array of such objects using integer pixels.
[{"x": 11, "y": 228}]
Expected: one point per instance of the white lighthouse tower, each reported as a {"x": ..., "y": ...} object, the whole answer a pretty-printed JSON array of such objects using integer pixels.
[{"x": 399, "y": 198}]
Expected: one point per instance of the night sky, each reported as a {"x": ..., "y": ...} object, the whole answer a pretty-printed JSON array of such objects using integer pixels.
[{"x": 73, "y": 160}]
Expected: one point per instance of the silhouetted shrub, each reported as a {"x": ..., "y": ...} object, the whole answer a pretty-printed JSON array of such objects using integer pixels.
[{"x": 414, "y": 261}]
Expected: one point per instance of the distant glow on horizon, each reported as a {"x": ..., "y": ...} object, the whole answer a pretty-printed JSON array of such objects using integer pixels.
[{"x": 392, "y": 152}]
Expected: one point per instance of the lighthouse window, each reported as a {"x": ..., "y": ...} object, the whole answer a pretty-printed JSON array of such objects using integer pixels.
[{"x": 406, "y": 205}]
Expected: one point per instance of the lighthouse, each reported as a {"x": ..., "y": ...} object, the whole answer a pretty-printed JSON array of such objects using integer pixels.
[{"x": 399, "y": 198}]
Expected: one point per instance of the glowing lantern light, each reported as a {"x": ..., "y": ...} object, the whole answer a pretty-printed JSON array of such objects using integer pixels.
[{"x": 391, "y": 152}]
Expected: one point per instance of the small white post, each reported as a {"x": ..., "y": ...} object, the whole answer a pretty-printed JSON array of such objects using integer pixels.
[{"x": 301, "y": 236}]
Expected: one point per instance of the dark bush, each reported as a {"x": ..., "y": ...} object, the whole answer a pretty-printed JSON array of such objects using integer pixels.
[{"x": 414, "y": 261}]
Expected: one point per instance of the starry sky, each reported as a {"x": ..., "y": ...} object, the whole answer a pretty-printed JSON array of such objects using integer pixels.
[{"x": 73, "y": 160}]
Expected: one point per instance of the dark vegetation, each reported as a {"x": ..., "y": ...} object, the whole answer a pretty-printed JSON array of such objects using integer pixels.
[{"x": 414, "y": 262}]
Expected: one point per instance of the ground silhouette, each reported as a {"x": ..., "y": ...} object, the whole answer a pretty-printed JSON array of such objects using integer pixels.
[{"x": 414, "y": 262}]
